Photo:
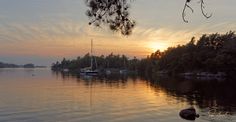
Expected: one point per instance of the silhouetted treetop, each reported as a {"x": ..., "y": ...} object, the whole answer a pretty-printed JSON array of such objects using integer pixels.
[{"x": 115, "y": 13}]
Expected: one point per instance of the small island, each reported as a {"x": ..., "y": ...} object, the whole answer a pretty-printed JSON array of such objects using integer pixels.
[{"x": 29, "y": 65}]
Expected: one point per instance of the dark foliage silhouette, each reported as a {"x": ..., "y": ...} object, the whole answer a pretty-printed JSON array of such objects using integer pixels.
[
  {"x": 103, "y": 62},
  {"x": 211, "y": 53},
  {"x": 115, "y": 14}
]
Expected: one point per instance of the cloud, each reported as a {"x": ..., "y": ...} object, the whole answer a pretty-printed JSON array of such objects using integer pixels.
[{"x": 71, "y": 38}]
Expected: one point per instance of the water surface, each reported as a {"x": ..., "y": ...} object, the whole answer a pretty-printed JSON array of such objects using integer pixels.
[{"x": 36, "y": 95}]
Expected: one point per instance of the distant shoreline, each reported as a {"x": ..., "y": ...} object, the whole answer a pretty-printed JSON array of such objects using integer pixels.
[
  {"x": 30, "y": 65},
  {"x": 24, "y": 67}
]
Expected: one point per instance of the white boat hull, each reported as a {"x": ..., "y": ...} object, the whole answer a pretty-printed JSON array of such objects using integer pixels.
[{"x": 89, "y": 73}]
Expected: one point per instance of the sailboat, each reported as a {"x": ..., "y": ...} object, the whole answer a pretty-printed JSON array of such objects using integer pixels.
[{"x": 90, "y": 71}]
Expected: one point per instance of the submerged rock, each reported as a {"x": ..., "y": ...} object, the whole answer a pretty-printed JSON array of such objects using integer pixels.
[{"x": 189, "y": 114}]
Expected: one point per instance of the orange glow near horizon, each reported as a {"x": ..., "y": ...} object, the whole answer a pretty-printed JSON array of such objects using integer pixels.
[
  {"x": 78, "y": 47},
  {"x": 154, "y": 46},
  {"x": 65, "y": 40}
]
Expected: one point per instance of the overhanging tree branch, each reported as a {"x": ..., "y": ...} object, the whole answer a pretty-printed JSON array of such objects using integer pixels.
[
  {"x": 115, "y": 14},
  {"x": 184, "y": 10},
  {"x": 202, "y": 9},
  {"x": 202, "y": 6}
]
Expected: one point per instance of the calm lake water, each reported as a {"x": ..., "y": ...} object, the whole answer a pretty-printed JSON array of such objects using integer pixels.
[{"x": 40, "y": 95}]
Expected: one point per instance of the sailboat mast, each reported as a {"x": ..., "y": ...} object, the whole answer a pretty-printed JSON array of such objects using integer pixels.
[
  {"x": 91, "y": 47},
  {"x": 91, "y": 57}
]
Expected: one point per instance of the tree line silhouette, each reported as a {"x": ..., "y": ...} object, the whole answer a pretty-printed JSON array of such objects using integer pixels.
[
  {"x": 211, "y": 53},
  {"x": 102, "y": 62}
]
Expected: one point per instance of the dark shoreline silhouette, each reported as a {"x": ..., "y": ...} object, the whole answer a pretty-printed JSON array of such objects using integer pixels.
[{"x": 30, "y": 65}]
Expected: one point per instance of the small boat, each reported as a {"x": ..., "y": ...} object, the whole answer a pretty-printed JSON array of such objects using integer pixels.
[
  {"x": 108, "y": 72},
  {"x": 88, "y": 71},
  {"x": 65, "y": 70},
  {"x": 92, "y": 70},
  {"x": 123, "y": 71}
]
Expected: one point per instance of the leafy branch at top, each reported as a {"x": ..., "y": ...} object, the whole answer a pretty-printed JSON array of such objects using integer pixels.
[
  {"x": 115, "y": 14},
  {"x": 112, "y": 12}
]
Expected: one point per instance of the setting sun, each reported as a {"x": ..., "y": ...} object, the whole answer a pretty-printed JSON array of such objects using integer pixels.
[{"x": 154, "y": 46}]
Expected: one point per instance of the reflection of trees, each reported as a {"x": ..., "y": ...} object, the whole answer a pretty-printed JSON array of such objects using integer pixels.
[
  {"x": 113, "y": 80},
  {"x": 219, "y": 96},
  {"x": 62, "y": 75}
]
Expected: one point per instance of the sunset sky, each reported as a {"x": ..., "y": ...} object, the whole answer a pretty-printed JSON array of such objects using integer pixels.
[{"x": 43, "y": 31}]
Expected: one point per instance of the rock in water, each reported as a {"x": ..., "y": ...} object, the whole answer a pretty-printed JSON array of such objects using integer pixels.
[{"x": 189, "y": 114}]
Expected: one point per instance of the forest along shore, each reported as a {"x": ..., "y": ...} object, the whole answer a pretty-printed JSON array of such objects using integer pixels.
[{"x": 211, "y": 56}]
